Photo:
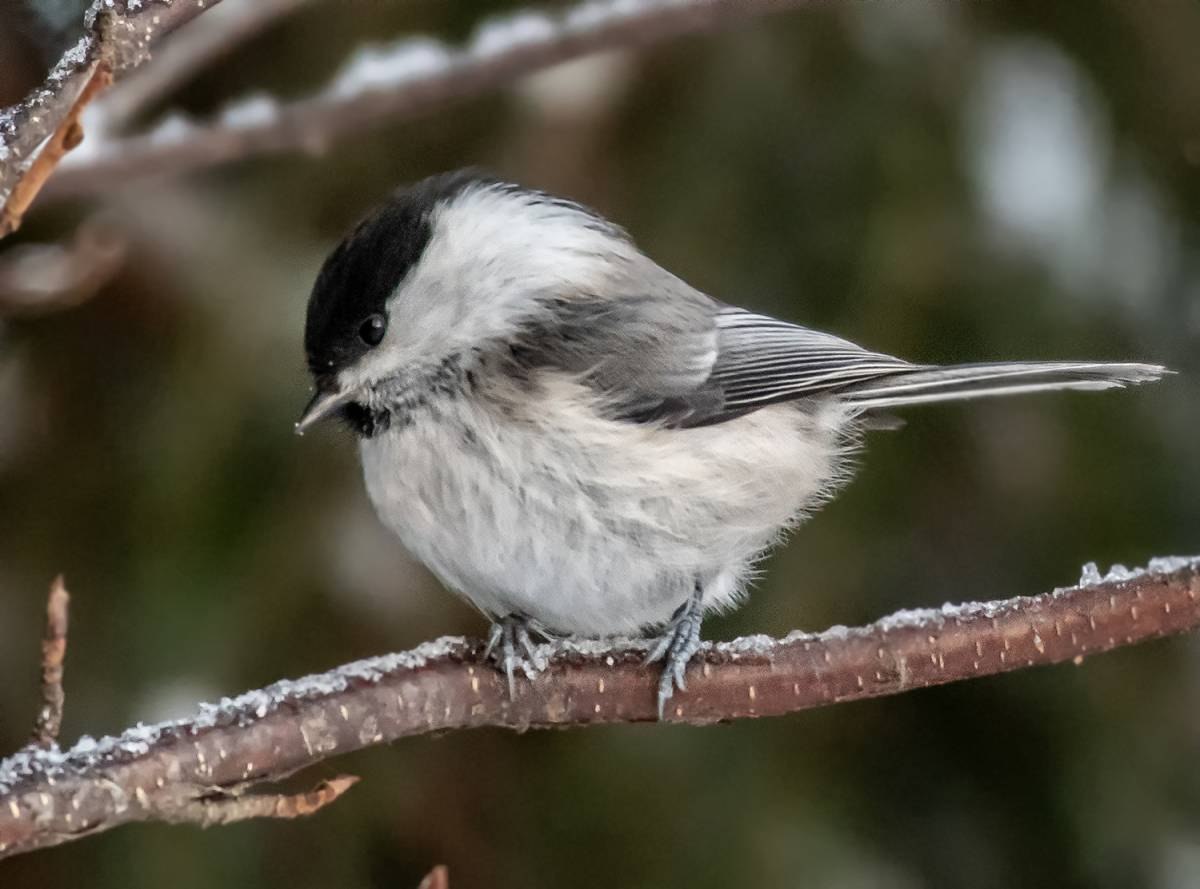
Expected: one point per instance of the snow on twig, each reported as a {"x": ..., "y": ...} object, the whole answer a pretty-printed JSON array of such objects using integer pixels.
[
  {"x": 188, "y": 770},
  {"x": 385, "y": 83},
  {"x": 36, "y": 132}
]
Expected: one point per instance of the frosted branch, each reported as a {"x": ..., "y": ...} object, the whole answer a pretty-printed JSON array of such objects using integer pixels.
[
  {"x": 384, "y": 84},
  {"x": 197, "y": 770},
  {"x": 38, "y": 131}
]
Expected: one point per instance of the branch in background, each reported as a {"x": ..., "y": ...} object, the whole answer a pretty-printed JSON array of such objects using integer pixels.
[
  {"x": 118, "y": 37},
  {"x": 383, "y": 85},
  {"x": 39, "y": 278},
  {"x": 438, "y": 878},
  {"x": 198, "y": 769},
  {"x": 204, "y": 806},
  {"x": 188, "y": 53}
]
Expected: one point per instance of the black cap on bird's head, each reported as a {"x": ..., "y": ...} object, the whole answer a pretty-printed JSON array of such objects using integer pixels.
[
  {"x": 347, "y": 310},
  {"x": 497, "y": 247}
]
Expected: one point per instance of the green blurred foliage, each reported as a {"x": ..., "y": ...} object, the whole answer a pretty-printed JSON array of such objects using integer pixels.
[{"x": 829, "y": 165}]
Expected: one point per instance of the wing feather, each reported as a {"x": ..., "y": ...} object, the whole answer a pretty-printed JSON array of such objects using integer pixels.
[
  {"x": 684, "y": 360},
  {"x": 763, "y": 360}
]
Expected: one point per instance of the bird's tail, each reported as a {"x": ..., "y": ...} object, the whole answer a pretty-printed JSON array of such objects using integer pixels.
[{"x": 923, "y": 385}]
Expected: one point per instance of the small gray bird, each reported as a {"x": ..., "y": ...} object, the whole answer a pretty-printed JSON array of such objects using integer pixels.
[{"x": 578, "y": 441}]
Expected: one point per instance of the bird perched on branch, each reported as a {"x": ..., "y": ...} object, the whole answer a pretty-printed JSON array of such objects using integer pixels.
[{"x": 575, "y": 439}]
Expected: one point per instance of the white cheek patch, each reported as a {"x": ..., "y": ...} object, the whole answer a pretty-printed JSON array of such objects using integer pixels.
[{"x": 492, "y": 254}]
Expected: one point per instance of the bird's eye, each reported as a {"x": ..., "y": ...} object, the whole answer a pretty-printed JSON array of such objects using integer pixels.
[{"x": 373, "y": 329}]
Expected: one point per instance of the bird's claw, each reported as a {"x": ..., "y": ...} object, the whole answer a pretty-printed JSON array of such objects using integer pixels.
[
  {"x": 678, "y": 643},
  {"x": 510, "y": 645}
]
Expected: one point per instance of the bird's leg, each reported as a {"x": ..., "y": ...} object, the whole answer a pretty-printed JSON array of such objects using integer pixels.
[
  {"x": 679, "y": 641},
  {"x": 510, "y": 645}
]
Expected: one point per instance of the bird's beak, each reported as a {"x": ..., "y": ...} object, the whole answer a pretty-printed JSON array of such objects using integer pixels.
[{"x": 324, "y": 402}]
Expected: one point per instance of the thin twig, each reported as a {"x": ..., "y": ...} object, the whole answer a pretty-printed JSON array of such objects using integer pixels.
[
  {"x": 54, "y": 651},
  {"x": 438, "y": 878},
  {"x": 156, "y": 773},
  {"x": 68, "y": 135},
  {"x": 229, "y": 808},
  {"x": 413, "y": 77}
]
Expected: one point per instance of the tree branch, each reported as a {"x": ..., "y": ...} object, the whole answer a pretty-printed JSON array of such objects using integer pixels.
[
  {"x": 382, "y": 85},
  {"x": 68, "y": 135},
  {"x": 161, "y": 772},
  {"x": 190, "y": 52},
  {"x": 118, "y": 37},
  {"x": 36, "y": 279}
]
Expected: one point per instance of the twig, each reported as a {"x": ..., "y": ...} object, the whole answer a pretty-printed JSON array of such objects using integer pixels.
[
  {"x": 157, "y": 773},
  {"x": 385, "y": 85},
  {"x": 118, "y": 37},
  {"x": 68, "y": 135},
  {"x": 229, "y": 808},
  {"x": 438, "y": 878},
  {"x": 54, "y": 650}
]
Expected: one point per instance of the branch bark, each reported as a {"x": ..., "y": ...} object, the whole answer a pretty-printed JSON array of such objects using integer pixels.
[
  {"x": 118, "y": 37},
  {"x": 68, "y": 136},
  {"x": 180, "y": 771},
  {"x": 397, "y": 88}
]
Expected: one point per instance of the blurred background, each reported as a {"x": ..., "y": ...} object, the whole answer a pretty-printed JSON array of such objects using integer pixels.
[{"x": 945, "y": 181}]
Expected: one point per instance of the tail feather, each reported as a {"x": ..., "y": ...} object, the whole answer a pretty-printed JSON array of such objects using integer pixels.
[{"x": 929, "y": 384}]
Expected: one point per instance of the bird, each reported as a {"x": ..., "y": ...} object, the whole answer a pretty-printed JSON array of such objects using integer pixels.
[{"x": 576, "y": 440}]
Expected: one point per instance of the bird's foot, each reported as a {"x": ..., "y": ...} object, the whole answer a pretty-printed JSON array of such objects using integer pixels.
[
  {"x": 510, "y": 645},
  {"x": 678, "y": 643}
]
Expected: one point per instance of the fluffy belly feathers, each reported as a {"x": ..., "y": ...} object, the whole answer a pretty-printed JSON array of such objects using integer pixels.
[{"x": 592, "y": 526}]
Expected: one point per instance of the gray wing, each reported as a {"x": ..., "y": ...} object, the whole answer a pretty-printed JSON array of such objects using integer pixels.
[
  {"x": 682, "y": 359},
  {"x": 762, "y": 360},
  {"x": 687, "y": 360},
  {"x": 650, "y": 356}
]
